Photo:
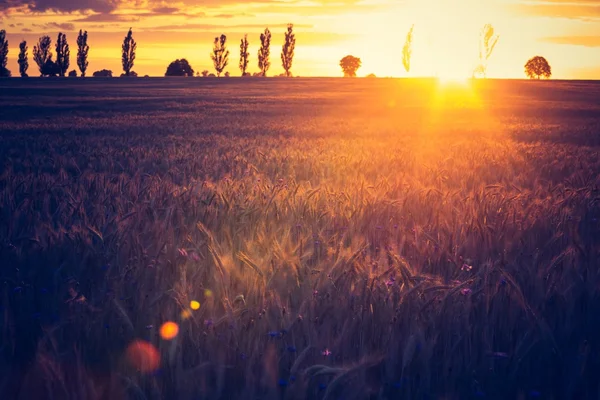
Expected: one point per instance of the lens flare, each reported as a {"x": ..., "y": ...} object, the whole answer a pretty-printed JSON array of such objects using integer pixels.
[
  {"x": 169, "y": 330},
  {"x": 143, "y": 356}
]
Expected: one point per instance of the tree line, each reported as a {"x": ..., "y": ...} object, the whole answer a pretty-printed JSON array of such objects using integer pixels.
[
  {"x": 47, "y": 66},
  {"x": 220, "y": 56},
  {"x": 535, "y": 67}
]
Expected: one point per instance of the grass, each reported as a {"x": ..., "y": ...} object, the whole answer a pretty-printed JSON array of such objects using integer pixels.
[{"x": 346, "y": 239}]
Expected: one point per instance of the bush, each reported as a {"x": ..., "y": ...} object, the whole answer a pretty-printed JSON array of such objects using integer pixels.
[
  {"x": 105, "y": 73},
  {"x": 73, "y": 74}
]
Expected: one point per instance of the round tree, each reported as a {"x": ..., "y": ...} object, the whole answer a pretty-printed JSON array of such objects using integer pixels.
[
  {"x": 537, "y": 67},
  {"x": 180, "y": 68},
  {"x": 350, "y": 65}
]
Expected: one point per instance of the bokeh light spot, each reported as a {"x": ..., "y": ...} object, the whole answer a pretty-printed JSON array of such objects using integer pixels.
[
  {"x": 169, "y": 330},
  {"x": 143, "y": 356},
  {"x": 208, "y": 293},
  {"x": 194, "y": 305},
  {"x": 185, "y": 314}
]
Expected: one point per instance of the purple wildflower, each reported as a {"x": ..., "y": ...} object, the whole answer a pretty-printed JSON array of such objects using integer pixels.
[{"x": 466, "y": 291}]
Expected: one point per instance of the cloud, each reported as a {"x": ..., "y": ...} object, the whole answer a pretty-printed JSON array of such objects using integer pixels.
[
  {"x": 579, "y": 9},
  {"x": 108, "y": 18},
  {"x": 56, "y": 26},
  {"x": 103, "y": 6},
  {"x": 586, "y": 41}
]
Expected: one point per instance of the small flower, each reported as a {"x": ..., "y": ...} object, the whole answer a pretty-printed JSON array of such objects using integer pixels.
[
  {"x": 466, "y": 291},
  {"x": 326, "y": 353},
  {"x": 149, "y": 326},
  {"x": 466, "y": 267},
  {"x": 390, "y": 281},
  {"x": 273, "y": 334},
  {"x": 315, "y": 293},
  {"x": 183, "y": 252}
]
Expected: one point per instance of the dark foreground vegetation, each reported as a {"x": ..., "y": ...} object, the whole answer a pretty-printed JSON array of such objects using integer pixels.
[{"x": 345, "y": 239}]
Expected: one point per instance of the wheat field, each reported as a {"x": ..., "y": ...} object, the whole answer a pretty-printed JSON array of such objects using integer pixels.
[{"x": 345, "y": 239}]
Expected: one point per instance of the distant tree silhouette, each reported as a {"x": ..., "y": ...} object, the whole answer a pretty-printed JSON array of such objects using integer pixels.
[
  {"x": 50, "y": 68},
  {"x": 537, "y": 67},
  {"x": 23, "y": 63},
  {"x": 220, "y": 54},
  {"x": 42, "y": 53},
  {"x": 264, "y": 53},
  {"x": 371, "y": 76},
  {"x": 205, "y": 73},
  {"x": 105, "y": 73},
  {"x": 244, "y": 55},
  {"x": 73, "y": 74},
  {"x": 62, "y": 54},
  {"x": 132, "y": 74},
  {"x": 287, "y": 51},
  {"x": 128, "y": 52},
  {"x": 212, "y": 76},
  {"x": 350, "y": 65},
  {"x": 4, "y": 72},
  {"x": 227, "y": 74},
  {"x": 82, "y": 52},
  {"x": 179, "y": 68},
  {"x": 407, "y": 49},
  {"x": 487, "y": 42}
]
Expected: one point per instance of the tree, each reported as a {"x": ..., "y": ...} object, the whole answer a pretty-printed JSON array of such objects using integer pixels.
[
  {"x": 264, "y": 52},
  {"x": 537, "y": 67},
  {"x": 244, "y": 55},
  {"x": 23, "y": 63},
  {"x": 105, "y": 73},
  {"x": 50, "y": 68},
  {"x": 487, "y": 42},
  {"x": 179, "y": 68},
  {"x": 42, "y": 53},
  {"x": 227, "y": 74},
  {"x": 407, "y": 49},
  {"x": 287, "y": 52},
  {"x": 205, "y": 73},
  {"x": 350, "y": 65},
  {"x": 128, "y": 56},
  {"x": 62, "y": 54},
  {"x": 73, "y": 74},
  {"x": 82, "y": 52},
  {"x": 220, "y": 54},
  {"x": 132, "y": 74},
  {"x": 4, "y": 72}
]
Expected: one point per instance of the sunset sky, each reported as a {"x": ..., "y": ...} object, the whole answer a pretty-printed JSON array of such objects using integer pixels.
[{"x": 566, "y": 32}]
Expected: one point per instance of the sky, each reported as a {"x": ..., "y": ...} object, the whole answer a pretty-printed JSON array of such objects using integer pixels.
[{"x": 446, "y": 33}]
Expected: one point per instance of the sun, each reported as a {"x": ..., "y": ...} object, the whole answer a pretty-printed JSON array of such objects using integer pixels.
[{"x": 448, "y": 32}]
